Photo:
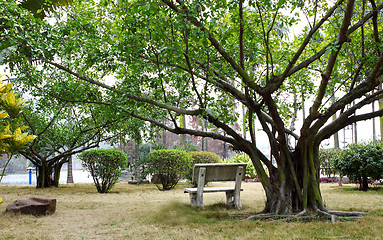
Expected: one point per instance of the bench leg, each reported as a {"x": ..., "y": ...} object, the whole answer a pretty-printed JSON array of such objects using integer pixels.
[
  {"x": 194, "y": 201},
  {"x": 237, "y": 201},
  {"x": 230, "y": 199},
  {"x": 233, "y": 200}
]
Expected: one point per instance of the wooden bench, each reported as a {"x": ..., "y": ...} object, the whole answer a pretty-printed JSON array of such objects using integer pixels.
[{"x": 211, "y": 172}]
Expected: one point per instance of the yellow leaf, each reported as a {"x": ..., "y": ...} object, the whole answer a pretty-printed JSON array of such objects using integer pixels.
[
  {"x": 29, "y": 138},
  {"x": 6, "y": 129},
  {"x": 2, "y": 87},
  {"x": 5, "y": 136},
  {"x": 8, "y": 87},
  {"x": 10, "y": 99},
  {"x": 3, "y": 115},
  {"x": 24, "y": 127}
]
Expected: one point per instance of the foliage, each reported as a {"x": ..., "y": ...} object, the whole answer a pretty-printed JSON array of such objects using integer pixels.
[
  {"x": 244, "y": 158},
  {"x": 327, "y": 158},
  {"x": 12, "y": 135},
  {"x": 65, "y": 130},
  {"x": 39, "y": 8},
  {"x": 169, "y": 166},
  {"x": 105, "y": 166},
  {"x": 202, "y": 157},
  {"x": 361, "y": 161},
  {"x": 173, "y": 60},
  {"x": 188, "y": 147}
]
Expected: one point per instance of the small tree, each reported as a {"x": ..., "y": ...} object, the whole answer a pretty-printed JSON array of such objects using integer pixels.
[
  {"x": 169, "y": 166},
  {"x": 12, "y": 137},
  {"x": 361, "y": 161},
  {"x": 105, "y": 166}
]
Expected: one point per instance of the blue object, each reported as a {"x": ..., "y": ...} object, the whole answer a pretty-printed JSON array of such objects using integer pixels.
[{"x": 30, "y": 174}]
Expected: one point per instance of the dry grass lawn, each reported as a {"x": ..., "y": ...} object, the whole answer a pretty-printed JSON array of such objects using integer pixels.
[{"x": 143, "y": 212}]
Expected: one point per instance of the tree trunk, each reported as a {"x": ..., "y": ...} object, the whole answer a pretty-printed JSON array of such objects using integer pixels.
[
  {"x": 295, "y": 183},
  {"x": 182, "y": 136},
  {"x": 380, "y": 102},
  {"x": 70, "y": 171},
  {"x": 48, "y": 176},
  {"x": 364, "y": 183}
]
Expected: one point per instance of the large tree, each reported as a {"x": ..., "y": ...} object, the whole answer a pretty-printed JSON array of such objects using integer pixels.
[
  {"x": 198, "y": 58},
  {"x": 64, "y": 130}
]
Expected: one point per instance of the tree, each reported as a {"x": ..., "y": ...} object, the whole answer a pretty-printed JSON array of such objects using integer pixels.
[
  {"x": 64, "y": 130},
  {"x": 199, "y": 58},
  {"x": 361, "y": 161}
]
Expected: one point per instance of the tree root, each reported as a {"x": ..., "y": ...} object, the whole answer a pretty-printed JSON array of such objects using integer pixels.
[{"x": 312, "y": 215}]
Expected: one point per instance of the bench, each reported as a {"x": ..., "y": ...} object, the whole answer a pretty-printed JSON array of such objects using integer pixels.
[{"x": 211, "y": 172}]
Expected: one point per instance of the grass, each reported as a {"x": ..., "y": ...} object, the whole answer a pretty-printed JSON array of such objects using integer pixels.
[{"x": 143, "y": 212}]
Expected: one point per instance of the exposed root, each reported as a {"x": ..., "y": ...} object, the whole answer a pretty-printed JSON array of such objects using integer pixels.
[
  {"x": 346, "y": 213},
  {"x": 306, "y": 215}
]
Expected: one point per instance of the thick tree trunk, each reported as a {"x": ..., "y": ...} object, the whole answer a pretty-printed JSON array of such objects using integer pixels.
[
  {"x": 48, "y": 176},
  {"x": 294, "y": 186}
]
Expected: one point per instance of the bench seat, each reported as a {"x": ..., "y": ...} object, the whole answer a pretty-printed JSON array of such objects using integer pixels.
[{"x": 211, "y": 189}]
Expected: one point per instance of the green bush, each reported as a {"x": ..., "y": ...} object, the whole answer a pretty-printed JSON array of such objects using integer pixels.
[
  {"x": 169, "y": 166},
  {"x": 105, "y": 166},
  {"x": 202, "y": 157},
  {"x": 361, "y": 161},
  {"x": 244, "y": 158}
]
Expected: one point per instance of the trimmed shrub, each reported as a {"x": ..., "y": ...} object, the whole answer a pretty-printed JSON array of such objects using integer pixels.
[
  {"x": 168, "y": 166},
  {"x": 361, "y": 162},
  {"x": 202, "y": 157},
  {"x": 244, "y": 158},
  {"x": 105, "y": 166}
]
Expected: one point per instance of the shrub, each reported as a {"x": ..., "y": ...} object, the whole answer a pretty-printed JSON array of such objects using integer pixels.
[
  {"x": 361, "y": 162},
  {"x": 202, "y": 157},
  {"x": 168, "y": 166},
  {"x": 105, "y": 166},
  {"x": 244, "y": 158}
]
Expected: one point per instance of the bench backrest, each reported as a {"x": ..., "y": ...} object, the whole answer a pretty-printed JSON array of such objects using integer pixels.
[{"x": 218, "y": 171}]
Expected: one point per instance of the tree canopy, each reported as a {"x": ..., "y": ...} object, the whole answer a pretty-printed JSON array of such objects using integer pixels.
[
  {"x": 64, "y": 130},
  {"x": 202, "y": 58}
]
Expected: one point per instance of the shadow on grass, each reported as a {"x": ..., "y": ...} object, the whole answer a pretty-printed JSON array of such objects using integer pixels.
[{"x": 175, "y": 213}]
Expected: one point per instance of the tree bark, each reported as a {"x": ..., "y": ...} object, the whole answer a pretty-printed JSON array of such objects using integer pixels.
[
  {"x": 70, "y": 171},
  {"x": 48, "y": 175}
]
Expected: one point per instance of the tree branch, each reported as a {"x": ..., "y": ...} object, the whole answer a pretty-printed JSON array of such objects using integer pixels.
[
  {"x": 185, "y": 13},
  {"x": 125, "y": 94}
]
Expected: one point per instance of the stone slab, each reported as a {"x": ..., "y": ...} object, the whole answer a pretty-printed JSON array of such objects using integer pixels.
[{"x": 37, "y": 206}]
